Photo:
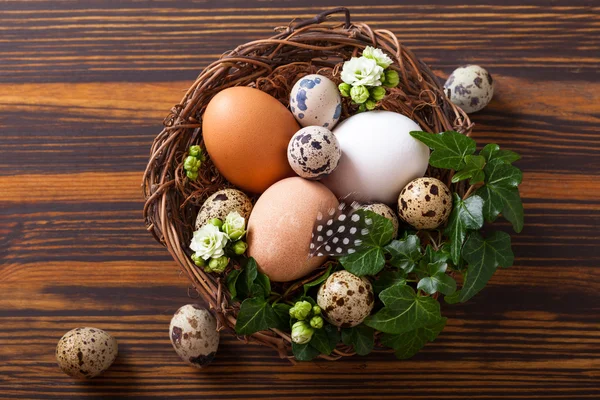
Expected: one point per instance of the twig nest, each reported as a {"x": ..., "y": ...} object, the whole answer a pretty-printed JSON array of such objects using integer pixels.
[
  {"x": 222, "y": 203},
  {"x": 86, "y": 352},
  {"x": 345, "y": 299},
  {"x": 385, "y": 211},
  {"x": 315, "y": 100},
  {"x": 194, "y": 336},
  {"x": 470, "y": 87},
  {"x": 425, "y": 203},
  {"x": 314, "y": 152}
]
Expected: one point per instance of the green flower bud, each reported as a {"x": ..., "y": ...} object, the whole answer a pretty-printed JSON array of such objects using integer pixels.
[
  {"x": 301, "y": 310},
  {"x": 362, "y": 108},
  {"x": 359, "y": 94},
  {"x": 344, "y": 89},
  {"x": 191, "y": 175},
  {"x": 377, "y": 93},
  {"x": 218, "y": 265},
  {"x": 239, "y": 247},
  {"x": 302, "y": 332},
  {"x": 391, "y": 78},
  {"x": 316, "y": 322},
  {"x": 216, "y": 222},
  {"x": 199, "y": 261},
  {"x": 316, "y": 310},
  {"x": 370, "y": 104},
  {"x": 195, "y": 151},
  {"x": 191, "y": 163}
]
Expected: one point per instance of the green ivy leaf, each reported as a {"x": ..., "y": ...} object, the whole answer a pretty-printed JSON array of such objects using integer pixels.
[
  {"x": 483, "y": 256},
  {"x": 317, "y": 281},
  {"x": 304, "y": 352},
  {"x": 439, "y": 282},
  {"x": 264, "y": 283},
  {"x": 325, "y": 339},
  {"x": 501, "y": 195},
  {"x": 405, "y": 253},
  {"x": 369, "y": 259},
  {"x": 409, "y": 343},
  {"x": 449, "y": 148},
  {"x": 473, "y": 169},
  {"x": 231, "y": 282},
  {"x": 255, "y": 315},
  {"x": 466, "y": 215},
  {"x": 360, "y": 337},
  {"x": 365, "y": 262},
  {"x": 492, "y": 152},
  {"x": 433, "y": 256},
  {"x": 245, "y": 282},
  {"x": 403, "y": 311},
  {"x": 283, "y": 316},
  {"x": 388, "y": 278}
]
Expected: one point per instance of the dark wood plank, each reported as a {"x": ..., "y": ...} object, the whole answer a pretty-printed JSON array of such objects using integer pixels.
[{"x": 84, "y": 87}]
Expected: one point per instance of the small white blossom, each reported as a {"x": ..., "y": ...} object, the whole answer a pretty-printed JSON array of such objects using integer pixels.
[
  {"x": 234, "y": 226},
  {"x": 362, "y": 72},
  {"x": 209, "y": 242},
  {"x": 378, "y": 55}
]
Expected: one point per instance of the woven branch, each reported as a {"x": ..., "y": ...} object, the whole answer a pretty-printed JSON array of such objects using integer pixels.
[{"x": 273, "y": 65}]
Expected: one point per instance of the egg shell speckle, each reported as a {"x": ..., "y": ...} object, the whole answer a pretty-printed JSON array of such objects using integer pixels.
[
  {"x": 470, "y": 87},
  {"x": 345, "y": 299},
  {"x": 425, "y": 203},
  {"x": 86, "y": 352},
  {"x": 222, "y": 203},
  {"x": 314, "y": 152},
  {"x": 194, "y": 336},
  {"x": 385, "y": 211},
  {"x": 315, "y": 100}
]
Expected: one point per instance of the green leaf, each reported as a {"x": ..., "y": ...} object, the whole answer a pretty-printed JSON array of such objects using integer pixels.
[
  {"x": 317, "y": 281},
  {"x": 325, "y": 339},
  {"x": 439, "y": 282},
  {"x": 231, "y": 282},
  {"x": 283, "y": 316},
  {"x": 381, "y": 231},
  {"x": 501, "y": 195},
  {"x": 403, "y": 311},
  {"x": 360, "y": 337},
  {"x": 492, "y": 152},
  {"x": 405, "y": 253},
  {"x": 388, "y": 278},
  {"x": 304, "y": 352},
  {"x": 473, "y": 169},
  {"x": 483, "y": 256},
  {"x": 433, "y": 256},
  {"x": 449, "y": 148},
  {"x": 466, "y": 215},
  {"x": 264, "y": 283},
  {"x": 245, "y": 283},
  {"x": 409, "y": 343},
  {"x": 368, "y": 261},
  {"x": 255, "y": 315}
]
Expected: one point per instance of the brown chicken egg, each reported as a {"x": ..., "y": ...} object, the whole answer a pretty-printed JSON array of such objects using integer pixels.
[
  {"x": 281, "y": 224},
  {"x": 246, "y": 133},
  {"x": 425, "y": 203}
]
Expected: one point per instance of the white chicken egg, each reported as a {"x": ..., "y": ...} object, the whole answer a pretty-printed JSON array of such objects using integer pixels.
[
  {"x": 315, "y": 100},
  {"x": 379, "y": 157},
  {"x": 470, "y": 87}
]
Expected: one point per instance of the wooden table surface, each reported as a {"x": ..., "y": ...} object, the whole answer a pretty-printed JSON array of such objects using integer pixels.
[{"x": 84, "y": 87}]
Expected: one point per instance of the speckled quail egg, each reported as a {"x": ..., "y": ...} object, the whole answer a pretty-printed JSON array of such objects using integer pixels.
[
  {"x": 86, "y": 352},
  {"x": 314, "y": 152},
  {"x": 194, "y": 335},
  {"x": 315, "y": 100},
  {"x": 222, "y": 203},
  {"x": 345, "y": 299},
  {"x": 385, "y": 211},
  {"x": 470, "y": 87},
  {"x": 425, "y": 203}
]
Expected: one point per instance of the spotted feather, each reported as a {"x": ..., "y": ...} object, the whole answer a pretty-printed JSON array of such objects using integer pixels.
[{"x": 340, "y": 232}]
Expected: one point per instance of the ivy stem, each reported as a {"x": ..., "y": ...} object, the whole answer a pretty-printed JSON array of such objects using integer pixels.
[{"x": 470, "y": 190}]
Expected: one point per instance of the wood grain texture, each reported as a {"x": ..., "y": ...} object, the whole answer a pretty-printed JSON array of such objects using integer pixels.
[{"x": 84, "y": 86}]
